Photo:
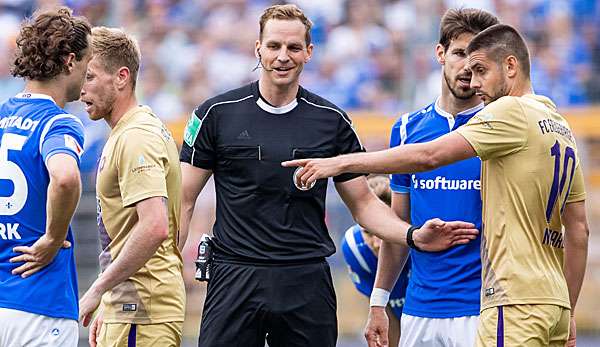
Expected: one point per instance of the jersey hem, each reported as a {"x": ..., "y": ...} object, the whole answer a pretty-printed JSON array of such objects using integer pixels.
[
  {"x": 528, "y": 301},
  {"x": 34, "y": 310},
  {"x": 145, "y": 320},
  {"x": 438, "y": 314}
]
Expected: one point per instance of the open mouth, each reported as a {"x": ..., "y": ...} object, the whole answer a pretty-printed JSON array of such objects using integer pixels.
[{"x": 282, "y": 69}]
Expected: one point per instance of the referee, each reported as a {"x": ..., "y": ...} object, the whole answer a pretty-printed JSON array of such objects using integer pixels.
[{"x": 270, "y": 279}]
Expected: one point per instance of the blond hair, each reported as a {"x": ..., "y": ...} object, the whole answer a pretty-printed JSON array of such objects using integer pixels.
[
  {"x": 116, "y": 49},
  {"x": 285, "y": 12}
]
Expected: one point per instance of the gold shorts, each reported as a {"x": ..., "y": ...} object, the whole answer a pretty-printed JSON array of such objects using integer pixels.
[
  {"x": 142, "y": 335},
  {"x": 523, "y": 325}
]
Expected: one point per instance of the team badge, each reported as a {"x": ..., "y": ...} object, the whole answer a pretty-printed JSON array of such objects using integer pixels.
[
  {"x": 301, "y": 187},
  {"x": 192, "y": 129}
]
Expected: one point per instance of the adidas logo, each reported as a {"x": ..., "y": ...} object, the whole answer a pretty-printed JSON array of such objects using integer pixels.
[{"x": 244, "y": 135}]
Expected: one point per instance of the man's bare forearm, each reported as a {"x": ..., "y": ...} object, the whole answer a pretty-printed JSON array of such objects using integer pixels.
[
  {"x": 392, "y": 259},
  {"x": 576, "y": 248}
]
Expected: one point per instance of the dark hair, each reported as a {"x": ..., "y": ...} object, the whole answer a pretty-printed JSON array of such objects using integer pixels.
[
  {"x": 456, "y": 22},
  {"x": 500, "y": 41},
  {"x": 45, "y": 40},
  {"x": 285, "y": 12}
]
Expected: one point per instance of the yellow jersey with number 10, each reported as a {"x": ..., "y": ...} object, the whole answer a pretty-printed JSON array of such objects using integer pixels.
[{"x": 530, "y": 170}]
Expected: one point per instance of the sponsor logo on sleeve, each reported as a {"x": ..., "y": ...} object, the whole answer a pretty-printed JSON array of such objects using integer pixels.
[
  {"x": 72, "y": 144},
  {"x": 192, "y": 129}
]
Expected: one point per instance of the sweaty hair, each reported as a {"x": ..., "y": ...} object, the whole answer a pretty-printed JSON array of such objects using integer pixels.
[
  {"x": 500, "y": 41},
  {"x": 456, "y": 22},
  {"x": 116, "y": 49},
  {"x": 44, "y": 42},
  {"x": 380, "y": 185},
  {"x": 285, "y": 12}
]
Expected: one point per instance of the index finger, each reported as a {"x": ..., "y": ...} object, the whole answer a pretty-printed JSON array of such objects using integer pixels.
[
  {"x": 22, "y": 249},
  {"x": 297, "y": 162},
  {"x": 460, "y": 225}
]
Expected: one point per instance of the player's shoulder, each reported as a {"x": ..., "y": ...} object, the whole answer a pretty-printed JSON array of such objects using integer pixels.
[
  {"x": 233, "y": 96},
  {"x": 504, "y": 103},
  {"x": 414, "y": 116},
  {"x": 321, "y": 105}
]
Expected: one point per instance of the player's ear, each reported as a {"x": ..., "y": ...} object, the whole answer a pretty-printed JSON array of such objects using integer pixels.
[
  {"x": 439, "y": 54},
  {"x": 257, "y": 49},
  {"x": 123, "y": 77},
  {"x": 69, "y": 60},
  {"x": 309, "y": 51},
  {"x": 511, "y": 64}
]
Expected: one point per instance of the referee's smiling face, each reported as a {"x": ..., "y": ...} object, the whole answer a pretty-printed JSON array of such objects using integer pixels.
[{"x": 283, "y": 51}]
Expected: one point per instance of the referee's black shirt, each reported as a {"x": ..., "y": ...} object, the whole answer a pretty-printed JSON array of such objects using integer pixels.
[{"x": 261, "y": 215}]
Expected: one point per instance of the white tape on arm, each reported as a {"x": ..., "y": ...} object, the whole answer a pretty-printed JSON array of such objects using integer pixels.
[{"x": 379, "y": 297}]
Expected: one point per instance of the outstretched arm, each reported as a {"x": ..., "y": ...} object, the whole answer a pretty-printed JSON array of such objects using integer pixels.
[
  {"x": 375, "y": 216},
  {"x": 418, "y": 157}
]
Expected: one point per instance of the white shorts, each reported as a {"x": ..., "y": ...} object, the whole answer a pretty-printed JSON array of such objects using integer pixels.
[
  {"x": 19, "y": 328},
  {"x": 438, "y": 332}
]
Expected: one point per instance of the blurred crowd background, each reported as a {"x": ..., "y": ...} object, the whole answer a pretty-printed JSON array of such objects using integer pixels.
[{"x": 374, "y": 58}]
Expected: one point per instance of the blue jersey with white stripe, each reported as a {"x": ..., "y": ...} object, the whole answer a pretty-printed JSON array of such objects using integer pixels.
[
  {"x": 442, "y": 284},
  {"x": 362, "y": 265},
  {"x": 32, "y": 129}
]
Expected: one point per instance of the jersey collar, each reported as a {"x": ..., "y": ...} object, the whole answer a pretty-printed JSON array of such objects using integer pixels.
[
  {"x": 34, "y": 96},
  {"x": 449, "y": 117},
  {"x": 277, "y": 110}
]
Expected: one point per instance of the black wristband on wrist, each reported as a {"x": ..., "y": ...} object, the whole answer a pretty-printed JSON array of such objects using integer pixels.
[{"x": 409, "y": 238}]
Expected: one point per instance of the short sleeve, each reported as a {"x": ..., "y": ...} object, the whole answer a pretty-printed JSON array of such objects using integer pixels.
[
  {"x": 347, "y": 142},
  {"x": 199, "y": 144},
  {"x": 399, "y": 183},
  {"x": 497, "y": 130},
  {"x": 577, "y": 192},
  {"x": 62, "y": 134},
  {"x": 142, "y": 166}
]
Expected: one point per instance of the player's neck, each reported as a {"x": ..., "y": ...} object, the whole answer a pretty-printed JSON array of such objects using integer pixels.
[
  {"x": 277, "y": 96},
  {"x": 454, "y": 105},
  {"x": 120, "y": 108},
  {"x": 50, "y": 88},
  {"x": 521, "y": 88}
]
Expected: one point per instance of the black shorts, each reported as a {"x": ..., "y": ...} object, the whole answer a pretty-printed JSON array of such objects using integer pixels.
[{"x": 288, "y": 305}]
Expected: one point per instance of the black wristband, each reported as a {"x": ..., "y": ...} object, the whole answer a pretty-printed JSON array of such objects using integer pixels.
[{"x": 409, "y": 238}]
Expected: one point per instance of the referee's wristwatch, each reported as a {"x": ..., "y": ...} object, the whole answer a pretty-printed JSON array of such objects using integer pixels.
[{"x": 409, "y": 237}]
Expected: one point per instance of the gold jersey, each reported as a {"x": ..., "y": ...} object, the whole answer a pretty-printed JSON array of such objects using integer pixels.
[
  {"x": 139, "y": 161},
  {"x": 530, "y": 170}
]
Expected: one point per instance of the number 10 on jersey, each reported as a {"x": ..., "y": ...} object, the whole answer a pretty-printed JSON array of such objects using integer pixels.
[{"x": 558, "y": 185}]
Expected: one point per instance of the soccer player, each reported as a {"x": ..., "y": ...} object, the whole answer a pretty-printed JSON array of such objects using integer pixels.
[
  {"x": 138, "y": 194},
  {"x": 532, "y": 187},
  {"x": 40, "y": 149},
  {"x": 442, "y": 299},
  {"x": 270, "y": 279},
  {"x": 361, "y": 252}
]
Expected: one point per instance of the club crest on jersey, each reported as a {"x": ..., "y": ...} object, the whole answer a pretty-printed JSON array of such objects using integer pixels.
[
  {"x": 192, "y": 129},
  {"x": 485, "y": 118}
]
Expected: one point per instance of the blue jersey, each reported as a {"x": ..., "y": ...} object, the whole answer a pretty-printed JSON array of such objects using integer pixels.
[
  {"x": 442, "y": 284},
  {"x": 362, "y": 265},
  {"x": 32, "y": 129}
]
